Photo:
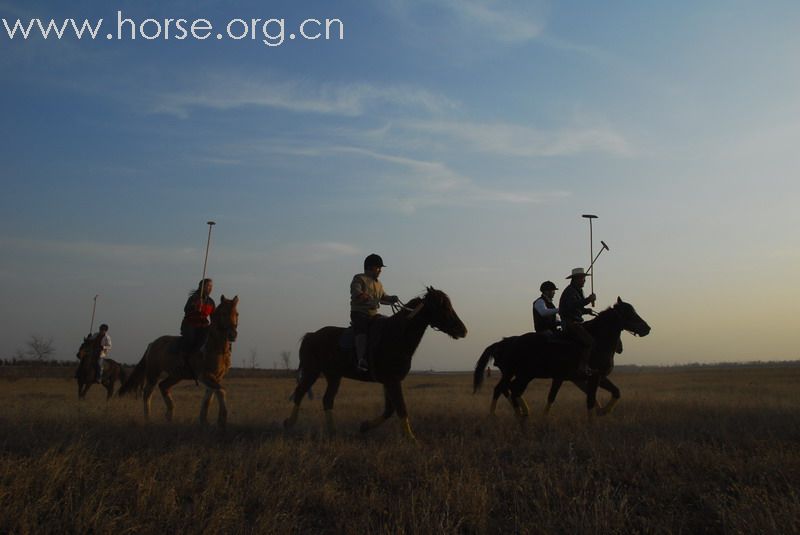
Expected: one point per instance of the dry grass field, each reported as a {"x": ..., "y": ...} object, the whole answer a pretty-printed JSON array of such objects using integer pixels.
[{"x": 700, "y": 451}]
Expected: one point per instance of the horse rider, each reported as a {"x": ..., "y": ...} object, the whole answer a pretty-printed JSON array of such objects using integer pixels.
[
  {"x": 366, "y": 296},
  {"x": 101, "y": 345},
  {"x": 196, "y": 322},
  {"x": 572, "y": 308},
  {"x": 544, "y": 311}
]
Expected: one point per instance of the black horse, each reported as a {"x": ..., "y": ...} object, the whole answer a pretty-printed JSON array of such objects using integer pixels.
[
  {"x": 532, "y": 355},
  {"x": 86, "y": 372},
  {"x": 497, "y": 351},
  {"x": 392, "y": 343}
]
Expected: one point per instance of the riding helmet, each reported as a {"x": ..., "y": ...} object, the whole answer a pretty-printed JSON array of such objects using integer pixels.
[
  {"x": 373, "y": 260},
  {"x": 547, "y": 286}
]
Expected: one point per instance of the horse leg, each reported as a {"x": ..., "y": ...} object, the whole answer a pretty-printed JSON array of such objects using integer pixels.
[
  {"x": 555, "y": 386},
  {"x": 395, "y": 392},
  {"x": 500, "y": 389},
  {"x": 387, "y": 413},
  {"x": 204, "y": 404},
  {"x": 517, "y": 387},
  {"x": 327, "y": 402},
  {"x": 306, "y": 380},
  {"x": 591, "y": 395},
  {"x": 147, "y": 395},
  {"x": 607, "y": 385},
  {"x": 222, "y": 418},
  {"x": 165, "y": 387}
]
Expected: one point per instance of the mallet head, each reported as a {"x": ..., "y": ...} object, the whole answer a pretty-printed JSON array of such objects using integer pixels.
[
  {"x": 589, "y": 216},
  {"x": 604, "y": 245}
]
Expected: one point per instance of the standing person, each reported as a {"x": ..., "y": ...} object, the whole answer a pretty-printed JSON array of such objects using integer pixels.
[
  {"x": 195, "y": 324},
  {"x": 101, "y": 347},
  {"x": 544, "y": 311},
  {"x": 366, "y": 296},
  {"x": 572, "y": 308}
]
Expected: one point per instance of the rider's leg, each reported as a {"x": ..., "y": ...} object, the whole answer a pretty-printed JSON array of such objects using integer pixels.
[
  {"x": 360, "y": 324},
  {"x": 580, "y": 335},
  {"x": 98, "y": 370}
]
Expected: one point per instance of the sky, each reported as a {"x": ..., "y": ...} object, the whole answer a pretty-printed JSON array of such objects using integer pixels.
[{"x": 461, "y": 140}]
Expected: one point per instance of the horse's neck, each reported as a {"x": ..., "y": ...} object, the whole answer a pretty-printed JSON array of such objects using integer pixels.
[
  {"x": 605, "y": 328},
  {"x": 217, "y": 343},
  {"x": 404, "y": 334}
]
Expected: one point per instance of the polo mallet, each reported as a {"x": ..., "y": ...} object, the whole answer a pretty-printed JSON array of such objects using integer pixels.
[
  {"x": 205, "y": 263},
  {"x": 603, "y": 248},
  {"x": 591, "y": 246},
  {"x": 94, "y": 307}
]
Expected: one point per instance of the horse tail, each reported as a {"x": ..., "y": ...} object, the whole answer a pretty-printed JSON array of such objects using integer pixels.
[
  {"x": 480, "y": 367},
  {"x": 136, "y": 380}
]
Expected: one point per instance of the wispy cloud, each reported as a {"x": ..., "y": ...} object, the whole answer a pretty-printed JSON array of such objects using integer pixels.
[
  {"x": 512, "y": 140},
  {"x": 224, "y": 93},
  {"x": 501, "y": 21},
  {"x": 93, "y": 251},
  {"x": 302, "y": 253}
]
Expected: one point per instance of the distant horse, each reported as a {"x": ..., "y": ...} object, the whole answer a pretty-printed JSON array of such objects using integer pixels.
[
  {"x": 86, "y": 373},
  {"x": 392, "y": 343},
  {"x": 209, "y": 365},
  {"x": 496, "y": 351},
  {"x": 533, "y": 355}
]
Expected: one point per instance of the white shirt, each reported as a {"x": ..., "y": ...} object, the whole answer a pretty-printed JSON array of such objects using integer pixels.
[{"x": 105, "y": 345}]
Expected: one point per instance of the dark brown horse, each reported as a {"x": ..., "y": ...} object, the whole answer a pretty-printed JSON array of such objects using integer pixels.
[
  {"x": 497, "y": 351},
  {"x": 209, "y": 366},
  {"x": 392, "y": 342},
  {"x": 534, "y": 355},
  {"x": 86, "y": 373}
]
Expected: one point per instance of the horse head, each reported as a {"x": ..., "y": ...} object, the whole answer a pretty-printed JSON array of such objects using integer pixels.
[
  {"x": 631, "y": 321},
  {"x": 438, "y": 311},
  {"x": 226, "y": 318},
  {"x": 85, "y": 349}
]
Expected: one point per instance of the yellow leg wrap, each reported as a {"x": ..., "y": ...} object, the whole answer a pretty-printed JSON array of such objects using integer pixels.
[
  {"x": 329, "y": 425},
  {"x": 407, "y": 430},
  {"x": 524, "y": 406},
  {"x": 493, "y": 407},
  {"x": 608, "y": 408}
]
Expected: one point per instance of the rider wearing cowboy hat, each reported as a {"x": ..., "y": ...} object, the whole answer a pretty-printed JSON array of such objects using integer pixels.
[{"x": 572, "y": 308}]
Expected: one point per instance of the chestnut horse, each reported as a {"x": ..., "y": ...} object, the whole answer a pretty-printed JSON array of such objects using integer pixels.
[
  {"x": 392, "y": 343},
  {"x": 209, "y": 365},
  {"x": 535, "y": 355},
  {"x": 86, "y": 373}
]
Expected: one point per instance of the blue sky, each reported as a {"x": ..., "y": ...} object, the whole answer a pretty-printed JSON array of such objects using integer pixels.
[{"x": 461, "y": 140}]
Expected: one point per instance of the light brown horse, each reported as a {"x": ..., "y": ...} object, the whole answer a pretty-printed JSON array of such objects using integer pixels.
[
  {"x": 209, "y": 365},
  {"x": 86, "y": 373},
  {"x": 392, "y": 343}
]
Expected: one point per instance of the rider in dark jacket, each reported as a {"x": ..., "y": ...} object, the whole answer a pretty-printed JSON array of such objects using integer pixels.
[{"x": 572, "y": 308}]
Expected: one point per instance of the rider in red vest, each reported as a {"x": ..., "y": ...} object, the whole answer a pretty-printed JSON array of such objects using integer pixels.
[{"x": 195, "y": 324}]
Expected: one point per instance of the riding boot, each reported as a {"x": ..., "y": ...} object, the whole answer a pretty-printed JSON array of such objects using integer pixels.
[{"x": 361, "y": 351}]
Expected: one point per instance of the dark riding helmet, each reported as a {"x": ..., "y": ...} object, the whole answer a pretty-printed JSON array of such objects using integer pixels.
[
  {"x": 547, "y": 286},
  {"x": 373, "y": 260}
]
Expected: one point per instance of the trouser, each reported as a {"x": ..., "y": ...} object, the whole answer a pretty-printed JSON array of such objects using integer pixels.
[
  {"x": 98, "y": 369},
  {"x": 578, "y": 333},
  {"x": 193, "y": 338},
  {"x": 360, "y": 323}
]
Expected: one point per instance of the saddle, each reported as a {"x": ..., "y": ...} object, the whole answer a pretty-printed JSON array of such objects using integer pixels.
[{"x": 347, "y": 341}]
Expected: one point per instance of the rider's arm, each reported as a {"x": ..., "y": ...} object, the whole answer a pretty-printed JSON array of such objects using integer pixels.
[{"x": 542, "y": 309}]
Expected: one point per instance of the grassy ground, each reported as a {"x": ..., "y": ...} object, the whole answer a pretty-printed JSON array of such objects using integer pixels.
[{"x": 712, "y": 451}]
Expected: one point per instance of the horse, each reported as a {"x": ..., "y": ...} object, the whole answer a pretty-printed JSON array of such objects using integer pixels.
[
  {"x": 86, "y": 373},
  {"x": 392, "y": 343},
  {"x": 503, "y": 388},
  {"x": 208, "y": 366},
  {"x": 535, "y": 355}
]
